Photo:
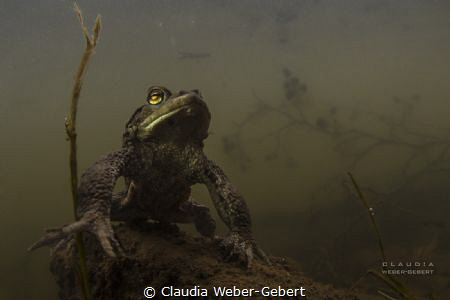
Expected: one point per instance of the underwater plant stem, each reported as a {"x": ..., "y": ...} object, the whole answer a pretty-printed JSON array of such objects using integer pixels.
[
  {"x": 91, "y": 42},
  {"x": 388, "y": 279},
  {"x": 371, "y": 215}
]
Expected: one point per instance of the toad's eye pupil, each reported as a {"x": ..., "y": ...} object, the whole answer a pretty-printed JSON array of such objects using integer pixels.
[{"x": 155, "y": 98}]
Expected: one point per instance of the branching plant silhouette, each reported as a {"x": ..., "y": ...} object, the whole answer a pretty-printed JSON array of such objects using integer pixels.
[{"x": 355, "y": 132}]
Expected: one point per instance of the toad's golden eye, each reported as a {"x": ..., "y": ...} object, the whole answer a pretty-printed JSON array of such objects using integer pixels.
[
  {"x": 157, "y": 94},
  {"x": 156, "y": 97}
]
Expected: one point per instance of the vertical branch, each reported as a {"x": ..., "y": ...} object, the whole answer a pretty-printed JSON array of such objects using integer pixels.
[
  {"x": 91, "y": 42},
  {"x": 71, "y": 120}
]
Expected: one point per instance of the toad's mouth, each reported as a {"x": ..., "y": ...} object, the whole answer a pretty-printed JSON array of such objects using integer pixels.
[
  {"x": 166, "y": 117},
  {"x": 176, "y": 113}
]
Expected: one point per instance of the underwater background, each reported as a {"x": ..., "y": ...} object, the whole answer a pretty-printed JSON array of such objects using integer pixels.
[{"x": 300, "y": 92}]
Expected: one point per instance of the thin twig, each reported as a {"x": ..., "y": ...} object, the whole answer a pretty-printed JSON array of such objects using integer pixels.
[
  {"x": 91, "y": 42},
  {"x": 371, "y": 215}
]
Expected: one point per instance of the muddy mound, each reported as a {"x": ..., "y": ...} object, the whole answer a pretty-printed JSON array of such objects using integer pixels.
[{"x": 165, "y": 257}]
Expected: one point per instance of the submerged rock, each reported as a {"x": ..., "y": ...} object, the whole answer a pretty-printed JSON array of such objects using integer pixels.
[{"x": 165, "y": 257}]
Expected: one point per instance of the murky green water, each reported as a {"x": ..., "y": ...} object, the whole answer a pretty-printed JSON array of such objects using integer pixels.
[{"x": 353, "y": 56}]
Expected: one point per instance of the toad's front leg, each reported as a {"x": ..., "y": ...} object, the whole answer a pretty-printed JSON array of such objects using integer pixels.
[
  {"x": 233, "y": 210},
  {"x": 94, "y": 205}
]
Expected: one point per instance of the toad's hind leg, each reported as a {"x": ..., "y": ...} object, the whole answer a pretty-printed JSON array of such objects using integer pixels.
[{"x": 192, "y": 212}]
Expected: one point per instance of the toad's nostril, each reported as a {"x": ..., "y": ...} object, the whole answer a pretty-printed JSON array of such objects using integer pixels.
[
  {"x": 183, "y": 92},
  {"x": 196, "y": 91}
]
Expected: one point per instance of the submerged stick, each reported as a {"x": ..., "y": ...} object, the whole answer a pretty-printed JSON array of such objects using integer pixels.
[{"x": 91, "y": 42}]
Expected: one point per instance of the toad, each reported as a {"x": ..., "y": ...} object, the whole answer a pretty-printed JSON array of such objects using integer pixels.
[{"x": 161, "y": 159}]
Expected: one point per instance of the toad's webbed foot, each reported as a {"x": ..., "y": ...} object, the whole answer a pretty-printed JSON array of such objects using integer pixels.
[
  {"x": 90, "y": 222},
  {"x": 242, "y": 249}
]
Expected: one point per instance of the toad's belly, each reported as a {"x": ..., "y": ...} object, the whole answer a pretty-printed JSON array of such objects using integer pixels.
[{"x": 159, "y": 200}]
